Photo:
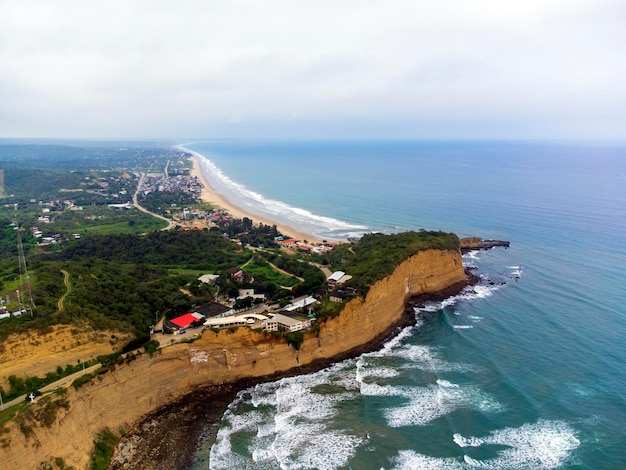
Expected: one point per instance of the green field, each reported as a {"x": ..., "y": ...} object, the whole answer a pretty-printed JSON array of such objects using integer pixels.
[{"x": 262, "y": 269}]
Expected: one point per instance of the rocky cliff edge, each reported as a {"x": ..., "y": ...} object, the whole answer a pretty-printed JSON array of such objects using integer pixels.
[{"x": 120, "y": 398}]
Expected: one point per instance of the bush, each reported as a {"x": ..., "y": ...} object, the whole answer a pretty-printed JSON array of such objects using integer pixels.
[
  {"x": 295, "y": 339},
  {"x": 151, "y": 347},
  {"x": 103, "y": 450},
  {"x": 80, "y": 381}
]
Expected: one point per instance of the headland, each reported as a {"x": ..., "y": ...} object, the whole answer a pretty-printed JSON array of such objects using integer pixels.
[{"x": 171, "y": 387}]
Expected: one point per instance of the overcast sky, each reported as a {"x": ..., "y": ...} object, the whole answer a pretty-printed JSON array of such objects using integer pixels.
[{"x": 269, "y": 68}]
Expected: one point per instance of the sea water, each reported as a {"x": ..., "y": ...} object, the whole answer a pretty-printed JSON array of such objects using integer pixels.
[{"x": 523, "y": 372}]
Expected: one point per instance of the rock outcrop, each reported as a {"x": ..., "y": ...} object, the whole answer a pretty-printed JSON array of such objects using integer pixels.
[{"x": 120, "y": 398}]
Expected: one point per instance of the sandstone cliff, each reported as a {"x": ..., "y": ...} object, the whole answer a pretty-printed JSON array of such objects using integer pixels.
[{"x": 123, "y": 396}]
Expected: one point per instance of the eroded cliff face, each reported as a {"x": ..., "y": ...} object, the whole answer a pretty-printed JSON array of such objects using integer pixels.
[{"x": 121, "y": 397}]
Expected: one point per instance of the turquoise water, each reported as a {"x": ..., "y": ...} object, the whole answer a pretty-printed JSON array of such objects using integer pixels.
[{"x": 525, "y": 375}]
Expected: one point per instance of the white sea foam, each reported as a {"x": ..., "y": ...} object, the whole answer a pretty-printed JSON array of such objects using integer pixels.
[
  {"x": 292, "y": 424},
  {"x": 463, "y": 327},
  {"x": 426, "y": 358},
  {"x": 411, "y": 460},
  {"x": 543, "y": 445},
  {"x": 470, "y": 293},
  {"x": 472, "y": 254},
  {"x": 275, "y": 210},
  {"x": 429, "y": 403},
  {"x": 445, "y": 383}
]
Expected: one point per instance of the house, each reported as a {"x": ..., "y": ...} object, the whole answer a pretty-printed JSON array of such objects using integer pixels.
[
  {"x": 236, "y": 274},
  {"x": 208, "y": 278},
  {"x": 301, "y": 304},
  {"x": 337, "y": 296},
  {"x": 243, "y": 293},
  {"x": 338, "y": 277},
  {"x": 334, "y": 278}
]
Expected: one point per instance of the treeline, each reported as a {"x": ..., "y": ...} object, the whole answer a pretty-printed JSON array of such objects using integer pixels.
[
  {"x": 196, "y": 249},
  {"x": 376, "y": 255}
]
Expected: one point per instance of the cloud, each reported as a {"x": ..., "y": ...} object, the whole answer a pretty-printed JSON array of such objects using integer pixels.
[{"x": 298, "y": 68}]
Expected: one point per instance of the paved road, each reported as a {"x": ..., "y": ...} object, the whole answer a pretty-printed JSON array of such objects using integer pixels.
[
  {"x": 64, "y": 382},
  {"x": 170, "y": 223}
]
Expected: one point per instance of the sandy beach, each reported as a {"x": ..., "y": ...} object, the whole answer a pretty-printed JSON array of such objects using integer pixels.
[{"x": 209, "y": 195}]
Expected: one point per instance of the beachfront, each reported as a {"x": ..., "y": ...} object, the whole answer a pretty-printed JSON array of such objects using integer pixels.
[{"x": 209, "y": 195}]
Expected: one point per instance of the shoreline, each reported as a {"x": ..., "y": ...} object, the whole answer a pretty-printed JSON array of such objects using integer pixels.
[
  {"x": 180, "y": 428},
  {"x": 211, "y": 196}
]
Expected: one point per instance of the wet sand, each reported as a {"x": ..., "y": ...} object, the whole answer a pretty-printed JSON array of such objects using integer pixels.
[{"x": 210, "y": 196}]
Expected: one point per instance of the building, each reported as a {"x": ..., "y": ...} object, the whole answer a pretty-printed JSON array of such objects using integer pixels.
[
  {"x": 336, "y": 296},
  {"x": 184, "y": 321},
  {"x": 335, "y": 277},
  {"x": 287, "y": 323},
  {"x": 244, "y": 319},
  {"x": 213, "y": 309},
  {"x": 301, "y": 304},
  {"x": 236, "y": 274},
  {"x": 208, "y": 278}
]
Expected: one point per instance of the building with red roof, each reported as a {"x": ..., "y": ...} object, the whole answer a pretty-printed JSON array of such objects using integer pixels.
[{"x": 186, "y": 320}]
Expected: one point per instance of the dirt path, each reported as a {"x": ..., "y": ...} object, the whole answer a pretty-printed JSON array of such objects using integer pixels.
[
  {"x": 68, "y": 287},
  {"x": 282, "y": 271}
]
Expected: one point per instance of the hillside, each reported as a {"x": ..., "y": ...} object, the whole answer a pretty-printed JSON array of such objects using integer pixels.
[{"x": 121, "y": 397}]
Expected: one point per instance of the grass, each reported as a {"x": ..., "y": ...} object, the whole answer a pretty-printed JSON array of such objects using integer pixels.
[
  {"x": 9, "y": 413},
  {"x": 122, "y": 228},
  {"x": 105, "y": 220},
  {"x": 264, "y": 270}
]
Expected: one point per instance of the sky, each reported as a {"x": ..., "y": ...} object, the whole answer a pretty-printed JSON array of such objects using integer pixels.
[{"x": 450, "y": 69}]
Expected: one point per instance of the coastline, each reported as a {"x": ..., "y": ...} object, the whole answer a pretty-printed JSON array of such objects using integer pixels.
[
  {"x": 209, "y": 195},
  {"x": 170, "y": 437}
]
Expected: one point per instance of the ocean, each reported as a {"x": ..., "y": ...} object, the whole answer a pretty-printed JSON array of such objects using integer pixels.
[{"x": 525, "y": 373}]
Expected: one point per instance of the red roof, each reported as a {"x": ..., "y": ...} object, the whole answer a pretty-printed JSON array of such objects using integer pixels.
[{"x": 184, "y": 320}]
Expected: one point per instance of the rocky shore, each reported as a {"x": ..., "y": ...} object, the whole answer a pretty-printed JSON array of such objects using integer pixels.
[
  {"x": 164, "y": 403},
  {"x": 169, "y": 437}
]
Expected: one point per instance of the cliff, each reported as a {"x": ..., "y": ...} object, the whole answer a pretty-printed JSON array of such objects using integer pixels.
[{"x": 120, "y": 398}]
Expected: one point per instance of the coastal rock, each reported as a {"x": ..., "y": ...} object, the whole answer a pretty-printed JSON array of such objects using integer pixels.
[
  {"x": 474, "y": 243},
  {"x": 150, "y": 385}
]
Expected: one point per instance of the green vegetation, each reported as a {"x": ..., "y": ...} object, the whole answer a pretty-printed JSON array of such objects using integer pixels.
[
  {"x": 151, "y": 347},
  {"x": 103, "y": 449},
  {"x": 160, "y": 202},
  {"x": 21, "y": 386},
  {"x": 8, "y": 414},
  {"x": 327, "y": 309},
  {"x": 261, "y": 269},
  {"x": 82, "y": 380},
  {"x": 295, "y": 339},
  {"x": 124, "y": 272},
  {"x": 375, "y": 256}
]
